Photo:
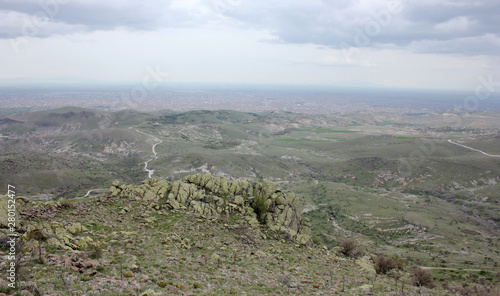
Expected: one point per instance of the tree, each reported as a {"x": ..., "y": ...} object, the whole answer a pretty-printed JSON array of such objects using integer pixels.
[{"x": 422, "y": 277}]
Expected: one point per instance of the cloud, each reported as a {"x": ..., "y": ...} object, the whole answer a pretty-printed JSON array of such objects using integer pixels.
[
  {"x": 448, "y": 26},
  {"x": 341, "y": 24},
  {"x": 52, "y": 17},
  {"x": 488, "y": 44}
]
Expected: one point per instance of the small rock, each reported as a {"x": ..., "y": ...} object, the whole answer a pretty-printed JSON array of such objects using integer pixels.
[
  {"x": 172, "y": 289},
  {"x": 173, "y": 274},
  {"x": 93, "y": 263},
  {"x": 148, "y": 293},
  {"x": 79, "y": 263},
  {"x": 135, "y": 268},
  {"x": 68, "y": 262}
]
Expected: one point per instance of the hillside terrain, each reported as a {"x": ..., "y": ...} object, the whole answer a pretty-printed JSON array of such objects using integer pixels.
[
  {"x": 198, "y": 236},
  {"x": 402, "y": 185}
]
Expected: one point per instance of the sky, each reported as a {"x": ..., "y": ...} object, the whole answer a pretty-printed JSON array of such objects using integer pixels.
[{"x": 415, "y": 44}]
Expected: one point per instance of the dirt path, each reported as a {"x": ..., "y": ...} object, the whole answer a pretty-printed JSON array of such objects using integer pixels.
[
  {"x": 99, "y": 190},
  {"x": 155, "y": 156},
  {"x": 474, "y": 149},
  {"x": 449, "y": 268}
]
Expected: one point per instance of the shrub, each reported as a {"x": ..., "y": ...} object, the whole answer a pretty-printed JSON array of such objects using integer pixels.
[
  {"x": 128, "y": 274},
  {"x": 384, "y": 264},
  {"x": 422, "y": 277},
  {"x": 66, "y": 204},
  {"x": 259, "y": 206},
  {"x": 163, "y": 284},
  {"x": 95, "y": 252},
  {"x": 85, "y": 278},
  {"x": 349, "y": 248},
  {"x": 197, "y": 285}
]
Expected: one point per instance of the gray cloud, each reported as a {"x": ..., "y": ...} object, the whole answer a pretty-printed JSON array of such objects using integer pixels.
[
  {"x": 449, "y": 26},
  {"x": 51, "y": 17},
  {"x": 453, "y": 25}
]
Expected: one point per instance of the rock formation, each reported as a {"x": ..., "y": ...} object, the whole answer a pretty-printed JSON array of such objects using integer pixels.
[{"x": 261, "y": 203}]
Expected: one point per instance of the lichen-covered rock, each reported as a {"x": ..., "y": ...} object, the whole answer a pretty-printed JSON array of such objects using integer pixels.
[
  {"x": 72, "y": 237},
  {"x": 75, "y": 228},
  {"x": 148, "y": 293},
  {"x": 3, "y": 210},
  {"x": 212, "y": 197},
  {"x": 150, "y": 195},
  {"x": 239, "y": 200},
  {"x": 268, "y": 188},
  {"x": 280, "y": 199}
]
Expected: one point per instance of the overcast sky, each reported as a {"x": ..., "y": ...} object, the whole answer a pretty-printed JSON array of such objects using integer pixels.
[{"x": 429, "y": 44}]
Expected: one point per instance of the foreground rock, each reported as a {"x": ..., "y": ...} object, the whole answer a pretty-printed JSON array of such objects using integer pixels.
[{"x": 261, "y": 203}]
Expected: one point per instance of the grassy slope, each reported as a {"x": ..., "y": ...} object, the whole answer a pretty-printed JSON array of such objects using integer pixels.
[
  {"x": 179, "y": 251},
  {"x": 310, "y": 156}
]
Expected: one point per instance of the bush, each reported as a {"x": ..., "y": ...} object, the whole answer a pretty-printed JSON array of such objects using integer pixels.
[
  {"x": 67, "y": 205},
  {"x": 422, "y": 277},
  {"x": 85, "y": 278},
  {"x": 384, "y": 264},
  {"x": 95, "y": 252},
  {"x": 259, "y": 207},
  {"x": 128, "y": 274},
  {"x": 349, "y": 248}
]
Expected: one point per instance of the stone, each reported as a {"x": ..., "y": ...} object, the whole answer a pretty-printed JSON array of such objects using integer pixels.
[
  {"x": 172, "y": 289},
  {"x": 223, "y": 186},
  {"x": 75, "y": 228},
  {"x": 148, "y": 293},
  {"x": 268, "y": 188},
  {"x": 281, "y": 199},
  {"x": 174, "y": 204},
  {"x": 150, "y": 195},
  {"x": 135, "y": 268},
  {"x": 210, "y": 185},
  {"x": 174, "y": 274},
  {"x": 93, "y": 263},
  {"x": 68, "y": 262}
]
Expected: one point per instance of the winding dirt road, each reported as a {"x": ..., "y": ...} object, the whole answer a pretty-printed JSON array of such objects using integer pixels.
[{"x": 155, "y": 156}]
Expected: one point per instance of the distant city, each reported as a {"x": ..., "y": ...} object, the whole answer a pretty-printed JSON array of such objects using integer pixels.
[{"x": 246, "y": 99}]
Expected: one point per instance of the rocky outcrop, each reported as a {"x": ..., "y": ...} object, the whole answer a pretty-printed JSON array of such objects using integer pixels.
[
  {"x": 261, "y": 203},
  {"x": 71, "y": 237}
]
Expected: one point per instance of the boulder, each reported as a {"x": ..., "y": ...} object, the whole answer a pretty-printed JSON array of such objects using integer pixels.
[
  {"x": 211, "y": 197},
  {"x": 279, "y": 198},
  {"x": 239, "y": 200},
  {"x": 150, "y": 195}
]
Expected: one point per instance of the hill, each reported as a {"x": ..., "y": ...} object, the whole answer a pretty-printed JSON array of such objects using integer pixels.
[
  {"x": 200, "y": 235},
  {"x": 405, "y": 185}
]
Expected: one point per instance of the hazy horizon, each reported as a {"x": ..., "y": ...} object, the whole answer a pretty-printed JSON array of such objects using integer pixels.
[{"x": 445, "y": 45}]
